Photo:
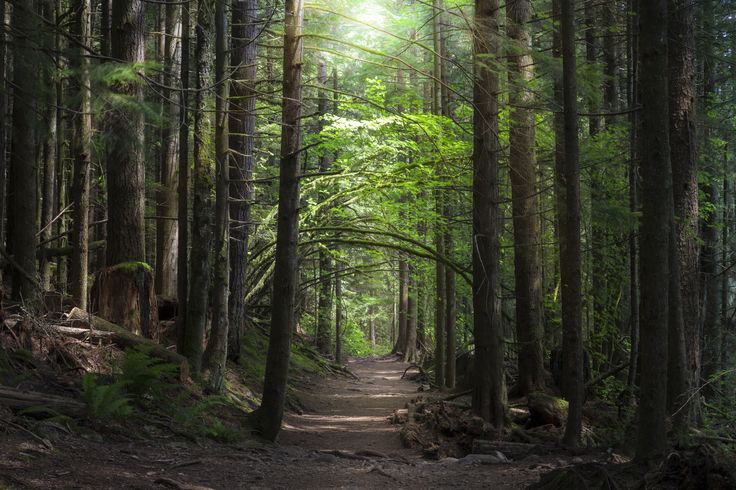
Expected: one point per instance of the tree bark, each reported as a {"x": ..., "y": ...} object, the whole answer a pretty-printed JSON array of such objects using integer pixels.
[
  {"x": 50, "y": 137},
  {"x": 570, "y": 260},
  {"x": 81, "y": 153},
  {"x": 451, "y": 322},
  {"x": 440, "y": 318},
  {"x": 338, "y": 320},
  {"x": 656, "y": 192},
  {"x": 182, "y": 254},
  {"x": 523, "y": 172},
  {"x": 202, "y": 209},
  {"x": 271, "y": 411},
  {"x": 167, "y": 228},
  {"x": 411, "y": 354},
  {"x": 215, "y": 356},
  {"x": 242, "y": 145},
  {"x": 125, "y": 170},
  {"x": 489, "y": 391},
  {"x": 684, "y": 161},
  {"x": 22, "y": 192},
  {"x": 324, "y": 317}
]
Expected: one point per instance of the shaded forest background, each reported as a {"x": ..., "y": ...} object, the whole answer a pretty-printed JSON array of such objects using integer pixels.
[{"x": 544, "y": 187}]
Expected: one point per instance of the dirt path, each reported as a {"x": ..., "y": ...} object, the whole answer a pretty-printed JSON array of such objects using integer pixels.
[
  {"x": 343, "y": 414},
  {"x": 352, "y": 415}
]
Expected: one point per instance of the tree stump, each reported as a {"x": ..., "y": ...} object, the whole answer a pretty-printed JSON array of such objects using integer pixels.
[{"x": 123, "y": 294}]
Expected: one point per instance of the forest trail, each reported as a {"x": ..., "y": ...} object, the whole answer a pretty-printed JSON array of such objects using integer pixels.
[
  {"x": 343, "y": 415},
  {"x": 352, "y": 414}
]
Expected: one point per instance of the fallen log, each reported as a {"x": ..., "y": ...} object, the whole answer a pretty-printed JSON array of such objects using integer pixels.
[
  {"x": 124, "y": 338},
  {"x": 20, "y": 399}
]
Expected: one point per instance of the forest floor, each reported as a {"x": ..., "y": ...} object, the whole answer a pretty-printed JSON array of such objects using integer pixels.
[{"x": 344, "y": 439}]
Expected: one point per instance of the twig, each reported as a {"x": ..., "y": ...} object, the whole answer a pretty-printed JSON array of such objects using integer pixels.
[{"x": 40, "y": 439}]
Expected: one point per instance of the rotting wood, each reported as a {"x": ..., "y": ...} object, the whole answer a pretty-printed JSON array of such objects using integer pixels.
[
  {"x": 20, "y": 399},
  {"x": 123, "y": 338}
]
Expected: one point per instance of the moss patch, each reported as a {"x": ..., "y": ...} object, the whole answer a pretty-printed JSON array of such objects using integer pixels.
[{"x": 132, "y": 267}]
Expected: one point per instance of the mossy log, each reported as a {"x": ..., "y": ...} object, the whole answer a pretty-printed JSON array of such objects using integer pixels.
[
  {"x": 124, "y": 295},
  {"x": 124, "y": 338},
  {"x": 546, "y": 409}
]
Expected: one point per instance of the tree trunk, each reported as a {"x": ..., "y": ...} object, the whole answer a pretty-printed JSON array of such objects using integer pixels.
[
  {"x": 656, "y": 192},
  {"x": 489, "y": 391},
  {"x": 400, "y": 345},
  {"x": 450, "y": 319},
  {"x": 338, "y": 320},
  {"x": 440, "y": 317},
  {"x": 271, "y": 411},
  {"x": 633, "y": 199},
  {"x": 50, "y": 136},
  {"x": 710, "y": 327},
  {"x": 215, "y": 356},
  {"x": 3, "y": 131},
  {"x": 125, "y": 172},
  {"x": 684, "y": 161},
  {"x": 127, "y": 273},
  {"x": 324, "y": 317},
  {"x": 202, "y": 209},
  {"x": 523, "y": 172},
  {"x": 167, "y": 200},
  {"x": 570, "y": 261},
  {"x": 242, "y": 145},
  {"x": 411, "y": 354},
  {"x": 81, "y": 153},
  {"x": 182, "y": 267},
  {"x": 22, "y": 192}
]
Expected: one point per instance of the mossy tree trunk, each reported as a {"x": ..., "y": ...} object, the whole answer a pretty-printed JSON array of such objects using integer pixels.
[{"x": 269, "y": 415}]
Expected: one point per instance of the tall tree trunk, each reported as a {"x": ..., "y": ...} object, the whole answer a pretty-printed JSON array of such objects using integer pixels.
[
  {"x": 81, "y": 152},
  {"x": 50, "y": 136},
  {"x": 592, "y": 21},
  {"x": 23, "y": 192},
  {"x": 324, "y": 317},
  {"x": 167, "y": 226},
  {"x": 450, "y": 318},
  {"x": 215, "y": 356},
  {"x": 123, "y": 292},
  {"x": 242, "y": 145},
  {"x": 523, "y": 172},
  {"x": 182, "y": 267},
  {"x": 410, "y": 354},
  {"x": 656, "y": 199},
  {"x": 271, "y": 411},
  {"x": 3, "y": 131},
  {"x": 440, "y": 316},
  {"x": 125, "y": 172},
  {"x": 202, "y": 209},
  {"x": 400, "y": 345},
  {"x": 338, "y": 320},
  {"x": 709, "y": 229},
  {"x": 684, "y": 162},
  {"x": 633, "y": 26},
  {"x": 440, "y": 197},
  {"x": 570, "y": 261},
  {"x": 489, "y": 391}
]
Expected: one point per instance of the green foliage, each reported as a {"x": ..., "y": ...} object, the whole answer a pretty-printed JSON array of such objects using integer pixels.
[
  {"x": 105, "y": 401},
  {"x": 141, "y": 373},
  {"x": 354, "y": 340}
]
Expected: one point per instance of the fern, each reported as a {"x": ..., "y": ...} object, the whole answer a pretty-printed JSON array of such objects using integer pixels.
[
  {"x": 105, "y": 402},
  {"x": 141, "y": 373}
]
